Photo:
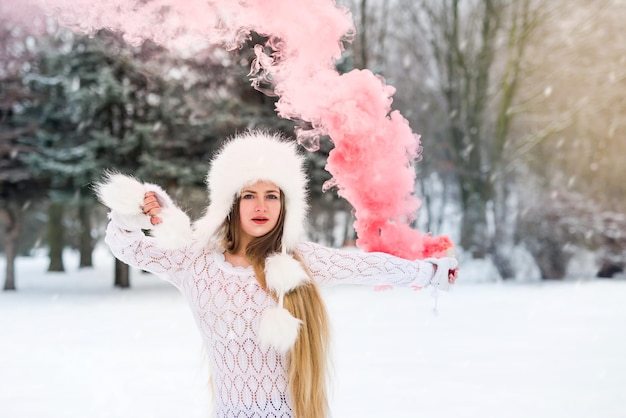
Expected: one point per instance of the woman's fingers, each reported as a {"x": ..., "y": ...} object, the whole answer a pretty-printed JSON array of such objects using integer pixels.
[
  {"x": 453, "y": 275},
  {"x": 151, "y": 207}
]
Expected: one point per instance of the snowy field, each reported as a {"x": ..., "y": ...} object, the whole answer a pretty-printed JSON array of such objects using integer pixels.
[{"x": 72, "y": 346}]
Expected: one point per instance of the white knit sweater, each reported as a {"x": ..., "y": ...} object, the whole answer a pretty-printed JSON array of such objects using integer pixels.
[{"x": 227, "y": 303}]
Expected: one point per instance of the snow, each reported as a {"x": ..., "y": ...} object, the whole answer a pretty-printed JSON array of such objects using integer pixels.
[{"x": 73, "y": 346}]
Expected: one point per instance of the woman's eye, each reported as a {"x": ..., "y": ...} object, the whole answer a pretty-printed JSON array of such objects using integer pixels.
[
  {"x": 272, "y": 196},
  {"x": 247, "y": 196}
]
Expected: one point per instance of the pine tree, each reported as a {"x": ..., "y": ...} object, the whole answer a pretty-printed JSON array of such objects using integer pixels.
[{"x": 18, "y": 186}]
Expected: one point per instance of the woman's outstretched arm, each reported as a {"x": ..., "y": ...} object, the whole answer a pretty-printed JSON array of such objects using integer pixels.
[{"x": 330, "y": 266}]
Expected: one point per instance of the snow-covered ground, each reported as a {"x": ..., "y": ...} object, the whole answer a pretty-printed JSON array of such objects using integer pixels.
[{"x": 72, "y": 346}]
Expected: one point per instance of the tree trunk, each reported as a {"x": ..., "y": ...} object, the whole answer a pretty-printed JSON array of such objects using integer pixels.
[
  {"x": 552, "y": 261},
  {"x": 11, "y": 216},
  {"x": 329, "y": 227},
  {"x": 474, "y": 235},
  {"x": 364, "y": 26},
  {"x": 55, "y": 236},
  {"x": 349, "y": 235},
  {"x": 501, "y": 259},
  {"x": 86, "y": 240},
  {"x": 504, "y": 224},
  {"x": 122, "y": 275}
]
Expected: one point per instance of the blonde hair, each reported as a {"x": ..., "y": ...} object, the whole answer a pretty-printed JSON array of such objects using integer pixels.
[{"x": 308, "y": 358}]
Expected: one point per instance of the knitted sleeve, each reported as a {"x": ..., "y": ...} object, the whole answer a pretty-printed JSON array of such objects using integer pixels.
[
  {"x": 134, "y": 248},
  {"x": 330, "y": 266}
]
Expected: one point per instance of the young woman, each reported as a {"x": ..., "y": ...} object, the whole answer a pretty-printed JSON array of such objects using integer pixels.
[{"x": 252, "y": 285}]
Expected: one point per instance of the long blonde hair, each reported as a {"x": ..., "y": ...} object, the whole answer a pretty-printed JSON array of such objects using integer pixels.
[{"x": 308, "y": 358}]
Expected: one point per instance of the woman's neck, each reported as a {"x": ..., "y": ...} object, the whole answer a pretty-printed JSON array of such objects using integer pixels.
[{"x": 237, "y": 259}]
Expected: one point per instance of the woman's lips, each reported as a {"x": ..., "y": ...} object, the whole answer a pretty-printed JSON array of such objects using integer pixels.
[{"x": 260, "y": 221}]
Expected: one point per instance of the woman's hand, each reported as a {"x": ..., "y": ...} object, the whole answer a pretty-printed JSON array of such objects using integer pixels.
[
  {"x": 152, "y": 208},
  {"x": 453, "y": 275}
]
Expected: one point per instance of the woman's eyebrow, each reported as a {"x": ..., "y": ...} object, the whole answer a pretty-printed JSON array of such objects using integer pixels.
[{"x": 266, "y": 191}]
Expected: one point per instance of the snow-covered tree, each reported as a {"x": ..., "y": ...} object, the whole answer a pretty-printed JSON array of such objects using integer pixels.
[
  {"x": 457, "y": 66},
  {"x": 573, "y": 134}
]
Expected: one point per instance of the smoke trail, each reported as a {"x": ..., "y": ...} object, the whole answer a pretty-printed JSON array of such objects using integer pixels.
[{"x": 374, "y": 147}]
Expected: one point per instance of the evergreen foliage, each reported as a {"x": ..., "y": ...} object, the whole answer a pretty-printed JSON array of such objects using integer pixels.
[{"x": 94, "y": 104}]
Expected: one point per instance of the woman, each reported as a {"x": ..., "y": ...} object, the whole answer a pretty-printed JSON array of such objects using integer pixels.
[{"x": 250, "y": 282}]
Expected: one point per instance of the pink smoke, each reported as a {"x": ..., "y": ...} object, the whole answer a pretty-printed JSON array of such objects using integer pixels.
[{"x": 374, "y": 147}]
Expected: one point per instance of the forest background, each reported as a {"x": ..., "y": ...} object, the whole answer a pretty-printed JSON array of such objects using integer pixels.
[{"x": 519, "y": 105}]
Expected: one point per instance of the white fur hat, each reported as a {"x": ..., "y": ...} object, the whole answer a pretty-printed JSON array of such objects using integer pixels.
[{"x": 242, "y": 161}]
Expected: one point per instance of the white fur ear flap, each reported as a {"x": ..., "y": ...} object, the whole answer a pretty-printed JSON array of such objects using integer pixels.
[
  {"x": 278, "y": 329},
  {"x": 283, "y": 273},
  {"x": 120, "y": 193}
]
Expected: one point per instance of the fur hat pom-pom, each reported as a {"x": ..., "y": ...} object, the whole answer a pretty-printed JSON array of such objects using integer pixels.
[
  {"x": 283, "y": 273},
  {"x": 278, "y": 329}
]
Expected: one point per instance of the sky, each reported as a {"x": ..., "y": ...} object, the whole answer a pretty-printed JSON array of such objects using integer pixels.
[{"x": 73, "y": 346}]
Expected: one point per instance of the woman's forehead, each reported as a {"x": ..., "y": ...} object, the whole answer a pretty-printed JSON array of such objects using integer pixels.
[{"x": 262, "y": 186}]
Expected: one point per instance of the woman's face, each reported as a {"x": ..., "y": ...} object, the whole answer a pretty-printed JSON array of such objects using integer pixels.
[{"x": 259, "y": 209}]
